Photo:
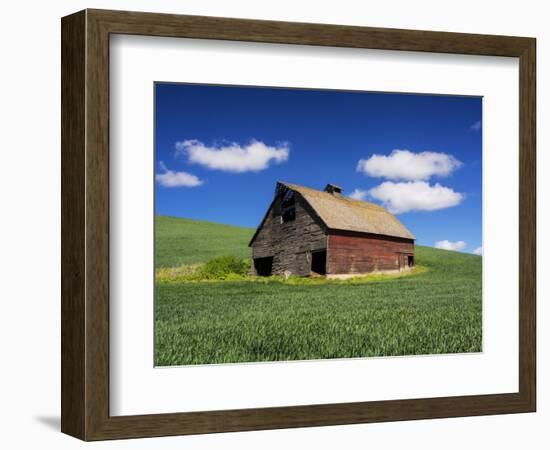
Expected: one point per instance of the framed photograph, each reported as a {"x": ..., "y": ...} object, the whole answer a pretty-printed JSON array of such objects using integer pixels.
[{"x": 272, "y": 225}]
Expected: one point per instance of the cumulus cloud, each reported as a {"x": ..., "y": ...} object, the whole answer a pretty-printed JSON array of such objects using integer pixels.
[
  {"x": 233, "y": 157},
  {"x": 449, "y": 245},
  {"x": 415, "y": 196},
  {"x": 478, "y": 251},
  {"x": 407, "y": 165},
  {"x": 359, "y": 194},
  {"x": 169, "y": 178},
  {"x": 476, "y": 126}
]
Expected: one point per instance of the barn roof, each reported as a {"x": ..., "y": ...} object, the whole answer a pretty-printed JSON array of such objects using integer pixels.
[{"x": 343, "y": 213}]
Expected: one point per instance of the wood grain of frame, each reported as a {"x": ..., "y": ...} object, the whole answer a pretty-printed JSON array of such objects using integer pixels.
[{"x": 85, "y": 225}]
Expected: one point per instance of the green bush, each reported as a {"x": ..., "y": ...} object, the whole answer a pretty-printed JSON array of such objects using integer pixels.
[{"x": 224, "y": 267}]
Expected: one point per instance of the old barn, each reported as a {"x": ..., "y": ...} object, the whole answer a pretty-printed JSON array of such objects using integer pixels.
[{"x": 307, "y": 231}]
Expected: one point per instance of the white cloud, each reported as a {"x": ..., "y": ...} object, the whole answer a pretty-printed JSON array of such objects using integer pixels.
[
  {"x": 407, "y": 165},
  {"x": 359, "y": 194},
  {"x": 169, "y": 178},
  {"x": 476, "y": 126},
  {"x": 478, "y": 251},
  {"x": 415, "y": 196},
  {"x": 448, "y": 245},
  {"x": 233, "y": 157}
]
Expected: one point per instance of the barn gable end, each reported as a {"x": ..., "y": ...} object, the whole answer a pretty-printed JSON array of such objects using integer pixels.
[{"x": 290, "y": 244}]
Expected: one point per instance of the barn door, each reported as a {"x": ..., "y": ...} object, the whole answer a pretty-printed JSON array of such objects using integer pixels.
[
  {"x": 402, "y": 261},
  {"x": 319, "y": 262},
  {"x": 405, "y": 261},
  {"x": 263, "y": 266}
]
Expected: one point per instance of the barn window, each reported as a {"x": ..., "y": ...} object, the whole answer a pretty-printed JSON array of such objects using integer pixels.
[
  {"x": 288, "y": 207},
  {"x": 276, "y": 207}
]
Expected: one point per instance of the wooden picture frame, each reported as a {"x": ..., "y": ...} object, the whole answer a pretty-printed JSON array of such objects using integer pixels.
[{"x": 85, "y": 224}]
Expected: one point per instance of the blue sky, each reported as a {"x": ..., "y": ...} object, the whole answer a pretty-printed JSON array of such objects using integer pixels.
[{"x": 220, "y": 150}]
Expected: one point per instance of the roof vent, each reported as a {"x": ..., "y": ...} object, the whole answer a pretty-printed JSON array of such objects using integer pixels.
[{"x": 333, "y": 189}]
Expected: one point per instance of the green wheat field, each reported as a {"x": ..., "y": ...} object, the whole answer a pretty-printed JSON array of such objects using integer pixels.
[{"x": 209, "y": 311}]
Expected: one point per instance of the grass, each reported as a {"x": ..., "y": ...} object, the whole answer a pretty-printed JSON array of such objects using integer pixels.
[
  {"x": 184, "y": 241},
  {"x": 436, "y": 309}
]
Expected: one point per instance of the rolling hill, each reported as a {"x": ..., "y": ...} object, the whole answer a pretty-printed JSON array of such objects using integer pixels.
[{"x": 185, "y": 241}]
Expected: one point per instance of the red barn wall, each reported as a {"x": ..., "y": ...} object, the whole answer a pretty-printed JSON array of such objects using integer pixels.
[{"x": 352, "y": 253}]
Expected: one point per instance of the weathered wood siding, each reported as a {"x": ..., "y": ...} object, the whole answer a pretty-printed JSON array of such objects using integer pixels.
[
  {"x": 290, "y": 243},
  {"x": 350, "y": 253}
]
